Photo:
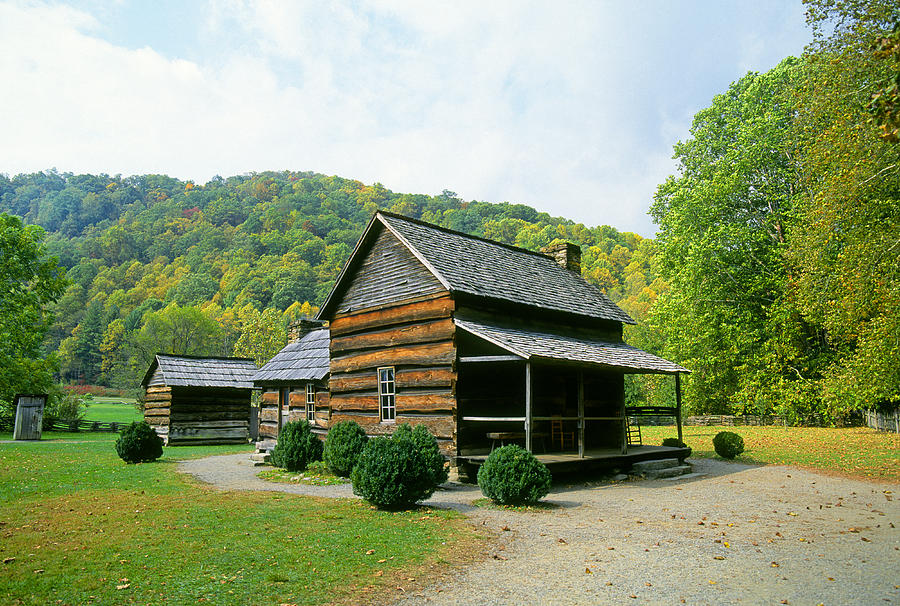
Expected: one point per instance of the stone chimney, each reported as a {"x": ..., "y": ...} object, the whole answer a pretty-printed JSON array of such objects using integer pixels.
[
  {"x": 566, "y": 254},
  {"x": 300, "y": 327}
]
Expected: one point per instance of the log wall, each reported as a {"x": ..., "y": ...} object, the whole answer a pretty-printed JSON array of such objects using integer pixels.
[
  {"x": 417, "y": 339},
  {"x": 208, "y": 415},
  {"x": 269, "y": 420},
  {"x": 157, "y": 405}
]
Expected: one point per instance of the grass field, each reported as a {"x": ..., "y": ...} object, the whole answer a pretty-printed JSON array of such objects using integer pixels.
[
  {"x": 857, "y": 451},
  {"x": 109, "y": 410},
  {"x": 79, "y": 526}
]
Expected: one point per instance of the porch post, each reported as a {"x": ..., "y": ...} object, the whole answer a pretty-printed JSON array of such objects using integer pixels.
[
  {"x": 678, "y": 404},
  {"x": 581, "y": 413},
  {"x": 528, "y": 406}
]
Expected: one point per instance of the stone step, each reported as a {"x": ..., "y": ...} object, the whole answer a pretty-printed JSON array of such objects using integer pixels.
[
  {"x": 261, "y": 457},
  {"x": 644, "y": 466},
  {"x": 668, "y": 472}
]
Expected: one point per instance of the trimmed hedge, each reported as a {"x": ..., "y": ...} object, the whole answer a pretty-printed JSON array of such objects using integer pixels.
[
  {"x": 139, "y": 443},
  {"x": 297, "y": 446},
  {"x": 513, "y": 476},
  {"x": 345, "y": 442},
  {"x": 428, "y": 447},
  {"x": 728, "y": 444},
  {"x": 396, "y": 472},
  {"x": 673, "y": 443}
]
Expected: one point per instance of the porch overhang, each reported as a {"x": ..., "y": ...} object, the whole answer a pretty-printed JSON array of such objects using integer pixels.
[{"x": 532, "y": 344}]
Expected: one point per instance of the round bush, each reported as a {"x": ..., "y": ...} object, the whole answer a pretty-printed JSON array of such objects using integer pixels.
[
  {"x": 728, "y": 444},
  {"x": 673, "y": 443},
  {"x": 392, "y": 474},
  {"x": 138, "y": 443},
  {"x": 297, "y": 446},
  {"x": 428, "y": 448},
  {"x": 512, "y": 476},
  {"x": 345, "y": 442}
]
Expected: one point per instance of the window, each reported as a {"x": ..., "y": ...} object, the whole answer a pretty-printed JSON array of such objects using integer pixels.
[
  {"x": 310, "y": 402},
  {"x": 386, "y": 394}
]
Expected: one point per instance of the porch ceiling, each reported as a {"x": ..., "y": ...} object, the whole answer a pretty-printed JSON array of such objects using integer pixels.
[{"x": 530, "y": 343}]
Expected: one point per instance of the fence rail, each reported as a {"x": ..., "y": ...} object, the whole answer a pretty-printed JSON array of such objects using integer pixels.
[{"x": 6, "y": 424}]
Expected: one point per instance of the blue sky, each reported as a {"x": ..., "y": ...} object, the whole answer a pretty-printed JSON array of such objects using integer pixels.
[{"x": 571, "y": 107}]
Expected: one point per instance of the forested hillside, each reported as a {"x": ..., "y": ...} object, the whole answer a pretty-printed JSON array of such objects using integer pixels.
[
  {"x": 775, "y": 275},
  {"x": 155, "y": 263}
]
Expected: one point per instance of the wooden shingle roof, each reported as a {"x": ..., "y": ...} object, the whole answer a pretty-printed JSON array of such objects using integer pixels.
[
  {"x": 303, "y": 360},
  {"x": 490, "y": 270},
  {"x": 570, "y": 346},
  {"x": 190, "y": 371}
]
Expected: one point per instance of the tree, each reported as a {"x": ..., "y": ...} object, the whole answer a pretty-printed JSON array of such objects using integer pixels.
[
  {"x": 179, "y": 331},
  {"x": 723, "y": 227},
  {"x": 29, "y": 282},
  {"x": 847, "y": 242},
  {"x": 262, "y": 334}
]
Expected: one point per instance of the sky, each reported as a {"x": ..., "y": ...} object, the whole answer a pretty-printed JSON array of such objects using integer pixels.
[{"x": 570, "y": 107}]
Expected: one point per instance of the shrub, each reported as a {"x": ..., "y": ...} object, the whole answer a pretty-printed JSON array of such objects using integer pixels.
[
  {"x": 393, "y": 473},
  {"x": 138, "y": 443},
  {"x": 728, "y": 444},
  {"x": 297, "y": 446},
  {"x": 343, "y": 446},
  {"x": 512, "y": 476},
  {"x": 673, "y": 443},
  {"x": 428, "y": 447}
]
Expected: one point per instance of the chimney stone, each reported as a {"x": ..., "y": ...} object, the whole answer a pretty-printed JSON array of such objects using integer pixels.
[
  {"x": 298, "y": 328},
  {"x": 566, "y": 254}
]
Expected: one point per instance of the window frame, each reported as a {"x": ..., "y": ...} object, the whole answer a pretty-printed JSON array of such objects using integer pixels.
[
  {"x": 387, "y": 398},
  {"x": 310, "y": 402}
]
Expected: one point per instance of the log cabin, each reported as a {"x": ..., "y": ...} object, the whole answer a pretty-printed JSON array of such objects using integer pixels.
[
  {"x": 485, "y": 344},
  {"x": 191, "y": 400},
  {"x": 294, "y": 383}
]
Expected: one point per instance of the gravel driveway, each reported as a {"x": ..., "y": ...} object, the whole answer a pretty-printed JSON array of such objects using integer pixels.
[{"x": 736, "y": 534}]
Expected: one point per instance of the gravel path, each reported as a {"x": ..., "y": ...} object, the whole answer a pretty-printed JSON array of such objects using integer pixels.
[{"x": 735, "y": 534}]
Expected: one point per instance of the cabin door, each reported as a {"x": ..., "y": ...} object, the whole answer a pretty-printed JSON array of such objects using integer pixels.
[{"x": 284, "y": 405}]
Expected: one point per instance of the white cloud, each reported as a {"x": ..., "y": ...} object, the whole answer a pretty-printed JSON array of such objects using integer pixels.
[{"x": 569, "y": 107}]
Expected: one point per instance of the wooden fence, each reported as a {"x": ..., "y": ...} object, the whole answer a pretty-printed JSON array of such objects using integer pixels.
[
  {"x": 6, "y": 424},
  {"x": 733, "y": 420},
  {"x": 883, "y": 421}
]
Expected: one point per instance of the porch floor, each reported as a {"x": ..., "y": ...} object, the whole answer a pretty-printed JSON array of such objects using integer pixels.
[{"x": 605, "y": 458}]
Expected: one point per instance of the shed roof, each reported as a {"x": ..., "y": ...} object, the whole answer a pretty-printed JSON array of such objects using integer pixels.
[
  {"x": 569, "y": 346},
  {"x": 487, "y": 269},
  {"x": 303, "y": 360},
  {"x": 190, "y": 371}
]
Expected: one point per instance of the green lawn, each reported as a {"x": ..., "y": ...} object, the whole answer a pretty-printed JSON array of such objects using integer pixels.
[
  {"x": 854, "y": 451},
  {"x": 79, "y": 526},
  {"x": 109, "y": 410}
]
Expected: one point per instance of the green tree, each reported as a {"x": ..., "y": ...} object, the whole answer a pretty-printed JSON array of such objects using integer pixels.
[
  {"x": 722, "y": 231},
  {"x": 263, "y": 334},
  {"x": 846, "y": 247},
  {"x": 29, "y": 283},
  {"x": 179, "y": 331}
]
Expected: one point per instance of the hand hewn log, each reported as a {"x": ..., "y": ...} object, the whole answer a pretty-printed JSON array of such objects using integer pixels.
[
  {"x": 414, "y": 312},
  {"x": 361, "y": 381},
  {"x": 433, "y": 354},
  {"x": 426, "y": 332}
]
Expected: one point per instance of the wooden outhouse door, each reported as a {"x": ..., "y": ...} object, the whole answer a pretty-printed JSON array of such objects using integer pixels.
[{"x": 284, "y": 404}]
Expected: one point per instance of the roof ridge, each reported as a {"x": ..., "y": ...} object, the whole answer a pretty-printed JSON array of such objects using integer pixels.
[
  {"x": 464, "y": 234},
  {"x": 228, "y": 358}
]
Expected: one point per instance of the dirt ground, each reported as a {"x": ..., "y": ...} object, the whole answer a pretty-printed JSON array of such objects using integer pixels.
[{"x": 727, "y": 534}]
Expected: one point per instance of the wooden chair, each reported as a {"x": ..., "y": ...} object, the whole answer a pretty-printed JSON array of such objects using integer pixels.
[
  {"x": 632, "y": 434},
  {"x": 558, "y": 435}
]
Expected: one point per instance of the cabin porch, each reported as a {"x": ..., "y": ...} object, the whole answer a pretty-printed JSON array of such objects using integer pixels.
[
  {"x": 548, "y": 408},
  {"x": 595, "y": 459}
]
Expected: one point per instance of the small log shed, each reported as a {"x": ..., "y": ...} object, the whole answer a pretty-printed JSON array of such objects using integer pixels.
[
  {"x": 485, "y": 344},
  {"x": 295, "y": 383},
  {"x": 192, "y": 400}
]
